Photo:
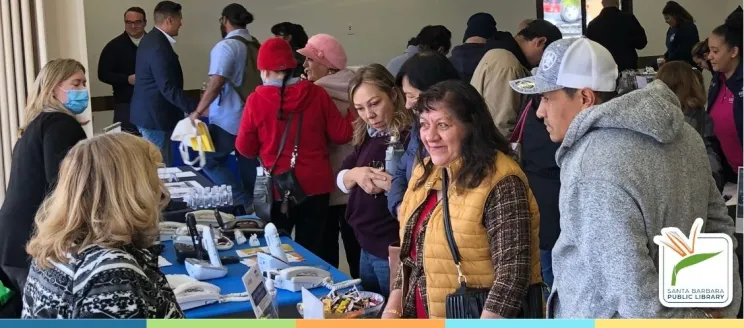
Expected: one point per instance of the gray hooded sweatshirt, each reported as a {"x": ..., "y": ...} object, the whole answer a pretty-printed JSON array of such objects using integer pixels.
[{"x": 629, "y": 167}]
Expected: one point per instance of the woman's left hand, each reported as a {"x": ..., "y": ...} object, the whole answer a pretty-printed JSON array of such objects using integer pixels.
[
  {"x": 490, "y": 315},
  {"x": 383, "y": 184}
]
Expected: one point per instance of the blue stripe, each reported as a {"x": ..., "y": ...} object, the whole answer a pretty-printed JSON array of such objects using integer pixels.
[
  {"x": 73, "y": 323},
  {"x": 519, "y": 323}
]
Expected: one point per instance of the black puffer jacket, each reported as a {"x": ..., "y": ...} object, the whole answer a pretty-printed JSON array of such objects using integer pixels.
[{"x": 543, "y": 174}]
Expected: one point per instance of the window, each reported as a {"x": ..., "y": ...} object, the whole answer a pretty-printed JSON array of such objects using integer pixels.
[
  {"x": 572, "y": 16},
  {"x": 567, "y": 15}
]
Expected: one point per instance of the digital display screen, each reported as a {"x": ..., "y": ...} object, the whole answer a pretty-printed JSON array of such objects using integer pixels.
[{"x": 567, "y": 14}]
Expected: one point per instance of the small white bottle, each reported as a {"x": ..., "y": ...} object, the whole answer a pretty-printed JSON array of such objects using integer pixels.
[{"x": 274, "y": 243}]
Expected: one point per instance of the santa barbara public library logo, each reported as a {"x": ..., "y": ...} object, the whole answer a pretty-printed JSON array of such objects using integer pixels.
[{"x": 695, "y": 270}]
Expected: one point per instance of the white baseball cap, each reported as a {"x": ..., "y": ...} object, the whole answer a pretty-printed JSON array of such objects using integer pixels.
[{"x": 576, "y": 63}]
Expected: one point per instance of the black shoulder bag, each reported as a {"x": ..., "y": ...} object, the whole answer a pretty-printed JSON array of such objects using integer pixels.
[
  {"x": 287, "y": 184},
  {"x": 467, "y": 302}
]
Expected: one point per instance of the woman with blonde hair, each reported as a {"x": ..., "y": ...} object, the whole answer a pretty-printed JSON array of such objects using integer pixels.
[
  {"x": 48, "y": 131},
  {"x": 383, "y": 121},
  {"x": 687, "y": 84},
  {"x": 98, "y": 224}
]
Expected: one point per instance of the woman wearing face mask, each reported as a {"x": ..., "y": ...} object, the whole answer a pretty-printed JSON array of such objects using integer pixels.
[
  {"x": 48, "y": 132},
  {"x": 282, "y": 103},
  {"x": 725, "y": 93},
  {"x": 682, "y": 34},
  {"x": 325, "y": 65},
  {"x": 417, "y": 74},
  {"x": 494, "y": 216},
  {"x": 383, "y": 120}
]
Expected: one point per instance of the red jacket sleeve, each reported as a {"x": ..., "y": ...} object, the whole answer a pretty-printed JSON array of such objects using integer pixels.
[
  {"x": 338, "y": 127},
  {"x": 247, "y": 142}
]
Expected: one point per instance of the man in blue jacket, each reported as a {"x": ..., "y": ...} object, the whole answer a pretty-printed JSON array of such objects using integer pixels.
[{"x": 159, "y": 102}]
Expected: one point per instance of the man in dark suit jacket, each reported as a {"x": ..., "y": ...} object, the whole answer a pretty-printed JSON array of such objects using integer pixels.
[
  {"x": 159, "y": 102},
  {"x": 620, "y": 33},
  {"x": 116, "y": 65}
]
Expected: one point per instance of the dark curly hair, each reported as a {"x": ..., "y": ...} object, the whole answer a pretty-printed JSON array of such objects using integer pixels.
[{"x": 482, "y": 141}]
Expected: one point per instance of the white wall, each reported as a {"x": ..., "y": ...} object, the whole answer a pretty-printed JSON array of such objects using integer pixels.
[
  {"x": 381, "y": 28},
  {"x": 707, "y": 13}
]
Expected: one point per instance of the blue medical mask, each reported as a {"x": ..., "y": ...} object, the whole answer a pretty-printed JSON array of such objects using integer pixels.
[{"x": 77, "y": 100}]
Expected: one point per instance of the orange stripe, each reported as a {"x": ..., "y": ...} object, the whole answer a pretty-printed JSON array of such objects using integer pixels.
[{"x": 369, "y": 323}]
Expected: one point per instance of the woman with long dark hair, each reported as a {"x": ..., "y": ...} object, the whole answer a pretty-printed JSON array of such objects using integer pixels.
[
  {"x": 494, "y": 216},
  {"x": 311, "y": 121},
  {"x": 682, "y": 34}
]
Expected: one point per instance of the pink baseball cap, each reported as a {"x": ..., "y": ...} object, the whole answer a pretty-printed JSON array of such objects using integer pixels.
[{"x": 326, "y": 50}]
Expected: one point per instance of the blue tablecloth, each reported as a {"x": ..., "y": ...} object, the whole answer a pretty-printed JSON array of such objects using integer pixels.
[{"x": 232, "y": 283}]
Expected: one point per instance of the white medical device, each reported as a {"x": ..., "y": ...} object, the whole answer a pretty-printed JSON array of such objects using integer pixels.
[
  {"x": 199, "y": 269},
  {"x": 274, "y": 243}
]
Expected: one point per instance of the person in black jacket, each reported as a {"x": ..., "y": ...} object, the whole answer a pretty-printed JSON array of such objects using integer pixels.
[
  {"x": 48, "y": 132},
  {"x": 682, "y": 34},
  {"x": 619, "y": 32},
  {"x": 479, "y": 38},
  {"x": 158, "y": 101},
  {"x": 544, "y": 177},
  {"x": 117, "y": 61}
]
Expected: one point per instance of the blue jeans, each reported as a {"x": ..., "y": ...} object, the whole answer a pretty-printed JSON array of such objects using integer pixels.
[
  {"x": 375, "y": 274},
  {"x": 546, "y": 264},
  {"x": 161, "y": 139},
  {"x": 217, "y": 169}
]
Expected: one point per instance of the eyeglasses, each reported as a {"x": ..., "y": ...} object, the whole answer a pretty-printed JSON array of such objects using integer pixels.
[{"x": 134, "y": 23}]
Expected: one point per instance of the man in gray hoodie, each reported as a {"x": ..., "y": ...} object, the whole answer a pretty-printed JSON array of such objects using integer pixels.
[{"x": 630, "y": 166}]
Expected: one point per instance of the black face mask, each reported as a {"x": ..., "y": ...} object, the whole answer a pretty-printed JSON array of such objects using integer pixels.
[{"x": 223, "y": 30}]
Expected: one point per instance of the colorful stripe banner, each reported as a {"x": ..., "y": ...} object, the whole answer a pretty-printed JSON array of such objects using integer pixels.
[{"x": 291, "y": 323}]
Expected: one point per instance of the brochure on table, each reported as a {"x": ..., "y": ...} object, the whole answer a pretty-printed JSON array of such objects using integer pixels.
[
  {"x": 258, "y": 294},
  {"x": 312, "y": 307}
]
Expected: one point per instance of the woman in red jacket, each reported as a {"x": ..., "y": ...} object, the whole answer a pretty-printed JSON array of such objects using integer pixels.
[{"x": 282, "y": 101}]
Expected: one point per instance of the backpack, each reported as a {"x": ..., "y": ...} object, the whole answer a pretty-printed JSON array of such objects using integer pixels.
[{"x": 251, "y": 74}]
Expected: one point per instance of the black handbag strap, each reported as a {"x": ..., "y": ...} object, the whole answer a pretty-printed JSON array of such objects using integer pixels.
[
  {"x": 284, "y": 141},
  {"x": 448, "y": 228},
  {"x": 295, "y": 150}
]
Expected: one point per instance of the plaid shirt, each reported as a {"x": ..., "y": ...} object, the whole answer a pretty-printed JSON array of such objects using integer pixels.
[{"x": 506, "y": 217}]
